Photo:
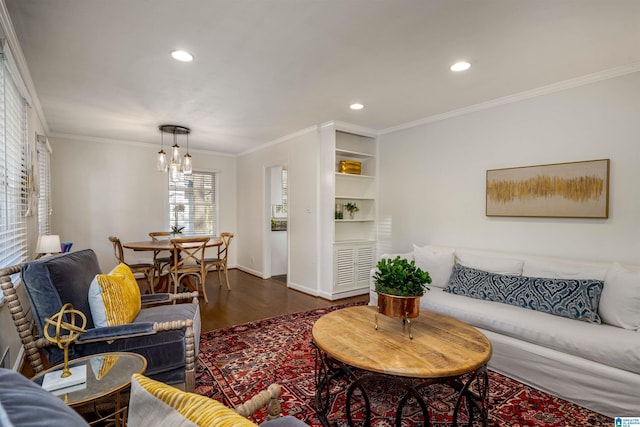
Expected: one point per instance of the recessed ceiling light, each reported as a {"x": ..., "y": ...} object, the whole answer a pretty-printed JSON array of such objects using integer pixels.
[
  {"x": 182, "y": 55},
  {"x": 460, "y": 66},
  {"x": 356, "y": 106}
]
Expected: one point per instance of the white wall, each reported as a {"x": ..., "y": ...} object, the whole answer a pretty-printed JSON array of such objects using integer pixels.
[
  {"x": 300, "y": 154},
  {"x": 432, "y": 177},
  {"x": 103, "y": 189}
]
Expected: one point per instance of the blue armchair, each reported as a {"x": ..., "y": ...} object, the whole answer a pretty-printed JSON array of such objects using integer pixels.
[{"x": 167, "y": 335}]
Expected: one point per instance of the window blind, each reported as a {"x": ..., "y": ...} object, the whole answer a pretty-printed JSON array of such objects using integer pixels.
[
  {"x": 193, "y": 203},
  {"x": 13, "y": 172},
  {"x": 44, "y": 180}
]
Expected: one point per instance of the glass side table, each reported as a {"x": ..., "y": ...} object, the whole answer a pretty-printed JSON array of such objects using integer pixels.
[{"x": 107, "y": 374}]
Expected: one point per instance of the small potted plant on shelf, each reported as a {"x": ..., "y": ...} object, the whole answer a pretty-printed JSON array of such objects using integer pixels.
[
  {"x": 352, "y": 208},
  {"x": 400, "y": 284}
]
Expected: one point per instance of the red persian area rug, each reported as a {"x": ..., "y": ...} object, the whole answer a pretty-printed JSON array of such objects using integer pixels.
[{"x": 238, "y": 362}]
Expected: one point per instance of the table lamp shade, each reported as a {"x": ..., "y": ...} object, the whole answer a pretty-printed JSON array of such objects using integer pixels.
[{"x": 48, "y": 244}]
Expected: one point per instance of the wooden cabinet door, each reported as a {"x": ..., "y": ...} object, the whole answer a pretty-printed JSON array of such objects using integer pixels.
[{"x": 352, "y": 265}]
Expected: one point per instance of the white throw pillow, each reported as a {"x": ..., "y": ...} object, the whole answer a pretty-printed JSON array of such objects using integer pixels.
[
  {"x": 620, "y": 299},
  {"x": 562, "y": 270},
  {"x": 491, "y": 264},
  {"x": 437, "y": 261}
]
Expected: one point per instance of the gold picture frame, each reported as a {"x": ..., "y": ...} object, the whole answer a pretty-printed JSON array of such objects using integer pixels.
[{"x": 560, "y": 190}]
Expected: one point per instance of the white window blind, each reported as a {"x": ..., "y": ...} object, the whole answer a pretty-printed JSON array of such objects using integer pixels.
[
  {"x": 193, "y": 203},
  {"x": 13, "y": 172},
  {"x": 44, "y": 180}
]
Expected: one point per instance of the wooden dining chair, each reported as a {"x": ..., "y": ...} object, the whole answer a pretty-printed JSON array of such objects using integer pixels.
[
  {"x": 147, "y": 269},
  {"x": 188, "y": 261},
  {"x": 160, "y": 262},
  {"x": 220, "y": 262}
]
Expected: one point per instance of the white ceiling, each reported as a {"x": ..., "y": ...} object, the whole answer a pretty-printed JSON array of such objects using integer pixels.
[{"x": 264, "y": 69}]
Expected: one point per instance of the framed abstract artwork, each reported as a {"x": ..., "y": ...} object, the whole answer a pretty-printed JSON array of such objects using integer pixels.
[{"x": 561, "y": 190}]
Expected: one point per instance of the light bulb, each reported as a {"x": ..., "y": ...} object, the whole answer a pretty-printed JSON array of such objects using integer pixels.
[
  {"x": 175, "y": 172},
  {"x": 162, "y": 161},
  {"x": 182, "y": 55},
  {"x": 460, "y": 66},
  {"x": 187, "y": 169},
  {"x": 175, "y": 157}
]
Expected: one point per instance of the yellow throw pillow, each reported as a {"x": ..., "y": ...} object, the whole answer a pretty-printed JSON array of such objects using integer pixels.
[
  {"x": 199, "y": 410},
  {"x": 101, "y": 365},
  {"x": 114, "y": 298}
]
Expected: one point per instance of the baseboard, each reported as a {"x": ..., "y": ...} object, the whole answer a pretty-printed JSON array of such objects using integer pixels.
[
  {"x": 303, "y": 289},
  {"x": 342, "y": 295},
  {"x": 251, "y": 271}
]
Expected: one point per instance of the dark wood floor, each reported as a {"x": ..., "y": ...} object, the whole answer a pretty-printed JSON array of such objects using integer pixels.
[{"x": 252, "y": 298}]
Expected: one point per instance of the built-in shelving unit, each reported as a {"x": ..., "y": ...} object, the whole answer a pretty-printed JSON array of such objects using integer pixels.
[{"x": 353, "y": 240}]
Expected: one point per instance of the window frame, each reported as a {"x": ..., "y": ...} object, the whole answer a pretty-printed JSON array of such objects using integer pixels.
[
  {"x": 195, "y": 204},
  {"x": 15, "y": 181},
  {"x": 45, "y": 207}
]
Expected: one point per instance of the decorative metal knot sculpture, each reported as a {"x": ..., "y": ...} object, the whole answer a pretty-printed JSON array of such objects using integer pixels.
[{"x": 64, "y": 341}]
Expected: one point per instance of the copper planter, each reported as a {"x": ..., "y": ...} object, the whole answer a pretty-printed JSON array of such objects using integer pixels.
[{"x": 399, "y": 307}]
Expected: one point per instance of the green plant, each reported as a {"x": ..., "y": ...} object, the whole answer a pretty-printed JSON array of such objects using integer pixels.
[
  {"x": 176, "y": 230},
  {"x": 177, "y": 209},
  {"x": 400, "y": 277},
  {"x": 351, "y": 207}
]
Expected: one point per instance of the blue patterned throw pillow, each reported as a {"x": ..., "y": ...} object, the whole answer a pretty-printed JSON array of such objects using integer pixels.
[{"x": 575, "y": 299}]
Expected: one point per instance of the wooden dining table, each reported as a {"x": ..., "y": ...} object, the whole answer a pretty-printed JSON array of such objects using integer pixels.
[{"x": 166, "y": 245}]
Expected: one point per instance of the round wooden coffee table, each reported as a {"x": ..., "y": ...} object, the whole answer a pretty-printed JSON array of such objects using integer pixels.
[{"x": 443, "y": 350}]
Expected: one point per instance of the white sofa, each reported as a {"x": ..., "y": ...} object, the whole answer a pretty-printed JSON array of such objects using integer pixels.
[{"x": 593, "y": 365}]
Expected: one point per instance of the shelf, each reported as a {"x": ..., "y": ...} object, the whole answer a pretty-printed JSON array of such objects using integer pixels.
[
  {"x": 345, "y": 266},
  {"x": 353, "y": 175},
  {"x": 353, "y": 154},
  {"x": 353, "y": 197},
  {"x": 351, "y": 242}
]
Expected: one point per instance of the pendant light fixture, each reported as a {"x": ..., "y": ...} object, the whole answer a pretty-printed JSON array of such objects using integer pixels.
[
  {"x": 176, "y": 160},
  {"x": 187, "y": 168},
  {"x": 162, "y": 156},
  {"x": 176, "y": 164}
]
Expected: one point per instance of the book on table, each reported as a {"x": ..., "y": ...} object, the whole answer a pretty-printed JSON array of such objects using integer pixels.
[
  {"x": 54, "y": 380},
  {"x": 70, "y": 389}
]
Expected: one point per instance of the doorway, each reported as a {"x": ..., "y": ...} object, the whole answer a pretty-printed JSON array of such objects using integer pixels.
[{"x": 276, "y": 252}]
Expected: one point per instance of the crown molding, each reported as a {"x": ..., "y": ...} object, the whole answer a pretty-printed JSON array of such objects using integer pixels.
[
  {"x": 350, "y": 128},
  {"x": 521, "y": 96},
  {"x": 280, "y": 140}
]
